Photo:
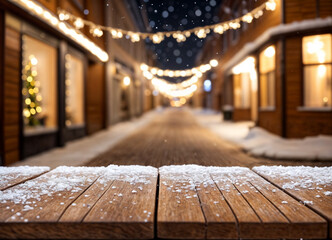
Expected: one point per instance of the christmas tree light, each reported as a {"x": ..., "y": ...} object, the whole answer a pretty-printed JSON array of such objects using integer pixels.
[{"x": 31, "y": 96}]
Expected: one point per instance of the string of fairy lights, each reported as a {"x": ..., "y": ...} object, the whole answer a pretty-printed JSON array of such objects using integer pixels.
[
  {"x": 180, "y": 36},
  {"x": 181, "y": 90},
  {"x": 176, "y": 90},
  {"x": 187, "y": 87}
]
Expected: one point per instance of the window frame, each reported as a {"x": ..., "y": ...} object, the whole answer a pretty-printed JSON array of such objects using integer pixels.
[
  {"x": 77, "y": 54},
  {"x": 267, "y": 108},
  {"x": 37, "y": 34},
  {"x": 304, "y": 108}
]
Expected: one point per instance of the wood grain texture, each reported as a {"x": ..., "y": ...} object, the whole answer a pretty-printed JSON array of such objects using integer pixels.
[
  {"x": 82, "y": 203},
  {"x": 314, "y": 196},
  {"x": 263, "y": 211},
  {"x": 179, "y": 212}
]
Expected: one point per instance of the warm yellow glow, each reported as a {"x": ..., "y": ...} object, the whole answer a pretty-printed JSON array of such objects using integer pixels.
[
  {"x": 32, "y": 111},
  {"x": 35, "y": 8},
  {"x": 32, "y": 104},
  {"x": 179, "y": 36},
  {"x": 271, "y": 5},
  {"x": 214, "y": 63},
  {"x": 33, "y": 60},
  {"x": 144, "y": 67},
  {"x": 245, "y": 66},
  {"x": 183, "y": 100},
  {"x": 29, "y": 79},
  {"x": 27, "y": 101},
  {"x": 322, "y": 71},
  {"x": 38, "y": 109},
  {"x": 325, "y": 100},
  {"x": 126, "y": 81},
  {"x": 78, "y": 23},
  {"x": 39, "y": 98},
  {"x": 31, "y": 91},
  {"x": 26, "y": 112},
  {"x": 270, "y": 51}
]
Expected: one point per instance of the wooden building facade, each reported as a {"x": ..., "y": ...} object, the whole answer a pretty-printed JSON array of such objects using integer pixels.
[
  {"x": 277, "y": 71},
  {"x": 53, "y": 88}
]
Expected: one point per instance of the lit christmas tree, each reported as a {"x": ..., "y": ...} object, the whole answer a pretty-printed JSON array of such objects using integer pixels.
[{"x": 31, "y": 96}]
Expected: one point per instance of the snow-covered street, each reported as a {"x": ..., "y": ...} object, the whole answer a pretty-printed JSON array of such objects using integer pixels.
[{"x": 259, "y": 142}]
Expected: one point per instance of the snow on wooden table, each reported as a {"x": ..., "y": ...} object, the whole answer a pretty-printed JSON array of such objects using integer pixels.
[
  {"x": 10, "y": 176},
  {"x": 198, "y": 202},
  {"x": 194, "y": 202},
  {"x": 310, "y": 185},
  {"x": 81, "y": 202}
]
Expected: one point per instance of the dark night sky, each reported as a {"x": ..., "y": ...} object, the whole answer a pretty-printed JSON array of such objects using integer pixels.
[{"x": 179, "y": 15}]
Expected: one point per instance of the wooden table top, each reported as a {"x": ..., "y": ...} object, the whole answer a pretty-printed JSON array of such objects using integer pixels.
[{"x": 172, "y": 202}]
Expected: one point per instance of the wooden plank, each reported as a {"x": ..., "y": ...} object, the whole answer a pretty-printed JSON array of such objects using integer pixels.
[
  {"x": 127, "y": 208},
  {"x": 179, "y": 212},
  {"x": 11, "y": 176},
  {"x": 188, "y": 197},
  {"x": 220, "y": 220},
  {"x": 311, "y": 186},
  {"x": 42, "y": 200},
  {"x": 280, "y": 216},
  {"x": 114, "y": 205}
]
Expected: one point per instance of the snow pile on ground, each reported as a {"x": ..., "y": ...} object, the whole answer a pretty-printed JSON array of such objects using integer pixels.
[
  {"x": 299, "y": 177},
  {"x": 227, "y": 130},
  {"x": 260, "y": 142}
]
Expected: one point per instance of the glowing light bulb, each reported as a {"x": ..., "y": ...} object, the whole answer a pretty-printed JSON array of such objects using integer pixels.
[
  {"x": 271, "y": 5},
  {"x": 144, "y": 67},
  {"x": 214, "y": 63},
  {"x": 96, "y": 31},
  {"x": 79, "y": 23},
  {"x": 270, "y": 51},
  {"x": 33, "y": 60},
  {"x": 126, "y": 81},
  {"x": 134, "y": 37}
]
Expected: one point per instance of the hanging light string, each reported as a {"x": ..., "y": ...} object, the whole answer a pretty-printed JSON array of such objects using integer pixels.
[
  {"x": 180, "y": 36},
  {"x": 149, "y": 71},
  {"x": 173, "y": 90}
]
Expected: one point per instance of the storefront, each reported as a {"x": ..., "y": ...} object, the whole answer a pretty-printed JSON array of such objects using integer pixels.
[{"x": 44, "y": 85}]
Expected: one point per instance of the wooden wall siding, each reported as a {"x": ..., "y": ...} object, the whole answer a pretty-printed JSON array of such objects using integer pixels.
[
  {"x": 95, "y": 98},
  {"x": 325, "y": 8},
  {"x": 298, "y": 10},
  {"x": 300, "y": 123},
  {"x": 271, "y": 120},
  {"x": 11, "y": 96},
  {"x": 242, "y": 115},
  {"x": 254, "y": 30}
]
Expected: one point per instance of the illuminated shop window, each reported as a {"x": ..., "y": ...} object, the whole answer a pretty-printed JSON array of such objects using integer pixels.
[
  {"x": 74, "y": 91},
  {"x": 316, "y": 52},
  {"x": 267, "y": 77},
  {"x": 39, "y": 75},
  {"x": 245, "y": 83}
]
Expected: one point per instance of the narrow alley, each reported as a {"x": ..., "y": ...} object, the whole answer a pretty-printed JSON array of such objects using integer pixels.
[{"x": 175, "y": 137}]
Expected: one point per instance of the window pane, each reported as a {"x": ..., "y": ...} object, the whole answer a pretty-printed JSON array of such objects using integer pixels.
[
  {"x": 242, "y": 90},
  {"x": 267, "y": 89},
  {"x": 317, "y": 84},
  {"x": 74, "y": 91},
  {"x": 316, "y": 49},
  {"x": 267, "y": 60},
  {"x": 39, "y": 75}
]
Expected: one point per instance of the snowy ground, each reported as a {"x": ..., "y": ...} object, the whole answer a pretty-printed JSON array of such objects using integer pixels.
[
  {"x": 81, "y": 151},
  {"x": 259, "y": 142}
]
